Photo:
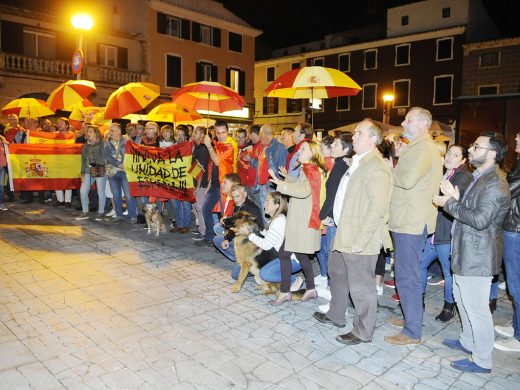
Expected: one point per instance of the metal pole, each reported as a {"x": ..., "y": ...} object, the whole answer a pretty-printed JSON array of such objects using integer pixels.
[{"x": 80, "y": 47}]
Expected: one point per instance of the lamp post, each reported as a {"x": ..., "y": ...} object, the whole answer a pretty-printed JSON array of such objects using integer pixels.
[
  {"x": 81, "y": 22},
  {"x": 387, "y": 99}
]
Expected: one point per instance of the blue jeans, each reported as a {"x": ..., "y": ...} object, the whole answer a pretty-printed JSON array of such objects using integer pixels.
[
  {"x": 212, "y": 197},
  {"x": 87, "y": 183},
  {"x": 512, "y": 266},
  {"x": 271, "y": 272},
  {"x": 323, "y": 253},
  {"x": 229, "y": 252},
  {"x": 408, "y": 253},
  {"x": 117, "y": 183},
  {"x": 3, "y": 172},
  {"x": 442, "y": 252},
  {"x": 182, "y": 211}
]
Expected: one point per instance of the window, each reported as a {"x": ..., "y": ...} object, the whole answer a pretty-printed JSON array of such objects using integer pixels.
[
  {"x": 443, "y": 89},
  {"x": 295, "y": 65},
  {"x": 370, "y": 59},
  {"x": 235, "y": 42},
  {"x": 318, "y": 61},
  {"x": 206, "y": 72},
  {"x": 369, "y": 96},
  {"x": 343, "y": 103},
  {"x": 402, "y": 55},
  {"x": 446, "y": 12},
  {"x": 488, "y": 90},
  {"x": 489, "y": 59},
  {"x": 39, "y": 44},
  {"x": 270, "y": 106},
  {"x": 173, "y": 71},
  {"x": 173, "y": 26},
  {"x": 344, "y": 62},
  {"x": 402, "y": 93},
  {"x": 316, "y": 104},
  {"x": 404, "y": 20},
  {"x": 270, "y": 74},
  {"x": 444, "y": 49},
  {"x": 294, "y": 106},
  {"x": 206, "y": 34},
  {"x": 236, "y": 80},
  {"x": 107, "y": 55}
]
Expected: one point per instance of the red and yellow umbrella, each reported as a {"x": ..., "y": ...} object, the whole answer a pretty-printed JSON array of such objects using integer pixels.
[
  {"x": 209, "y": 96},
  {"x": 173, "y": 112},
  {"x": 130, "y": 98},
  {"x": 27, "y": 108},
  {"x": 312, "y": 82},
  {"x": 70, "y": 93}
]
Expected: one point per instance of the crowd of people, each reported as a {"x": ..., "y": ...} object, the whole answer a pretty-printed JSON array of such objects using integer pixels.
[{"x": 349, "y": 200}]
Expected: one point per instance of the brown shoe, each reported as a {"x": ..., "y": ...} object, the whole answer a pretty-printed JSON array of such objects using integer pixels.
[
  {"x": 176, "y": 229},
  {"x": 350, "y": 339},
  {"x": 401, "y": 339},
  {"x": 184, "y": 230},
  {"x": 398, "y": 322}
]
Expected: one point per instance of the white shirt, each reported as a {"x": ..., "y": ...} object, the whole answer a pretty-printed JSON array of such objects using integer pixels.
[{"x": 342, "y": 187}]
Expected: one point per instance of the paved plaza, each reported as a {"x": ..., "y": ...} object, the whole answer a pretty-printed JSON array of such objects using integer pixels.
[{"x": 97, "y": 305}]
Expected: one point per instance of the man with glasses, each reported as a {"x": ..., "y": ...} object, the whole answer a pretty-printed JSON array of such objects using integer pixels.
[{"x": 477, "y": 245}]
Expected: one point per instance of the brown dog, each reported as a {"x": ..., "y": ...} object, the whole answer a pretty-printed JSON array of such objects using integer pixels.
[{"x": 154, "y": 219}]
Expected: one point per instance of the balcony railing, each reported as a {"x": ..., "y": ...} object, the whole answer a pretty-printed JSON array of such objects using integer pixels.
[
  {"x": 63, "y": 70},
  {"x": 24, "y": 64}
]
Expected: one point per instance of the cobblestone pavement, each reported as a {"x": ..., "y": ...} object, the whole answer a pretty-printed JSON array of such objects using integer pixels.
[{"x": 95, "y": 305}]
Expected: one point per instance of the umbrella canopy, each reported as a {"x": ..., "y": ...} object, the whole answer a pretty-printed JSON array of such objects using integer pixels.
[
  {"x": 130, "y": 98},
  {"x": 27, "y": 108},
  {"x": 208, "y": 95},
  {"x": 70, "y": 93},
  {"x": 173, "y": 112},
  {"x": 312, "y": 82}
]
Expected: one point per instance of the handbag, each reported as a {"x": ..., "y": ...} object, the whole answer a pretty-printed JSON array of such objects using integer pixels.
[
  {"x": 110, "y": 170},
  {"x": 97, "y": 171}
]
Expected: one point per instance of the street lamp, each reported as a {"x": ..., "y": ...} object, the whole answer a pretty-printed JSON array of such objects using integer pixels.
[
  {"x": 387, "y": 99},
  {"x": 81, "y": 22}
]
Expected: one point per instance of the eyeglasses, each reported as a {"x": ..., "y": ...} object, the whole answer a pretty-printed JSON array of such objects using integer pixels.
[{"x": 476, "y": 146}]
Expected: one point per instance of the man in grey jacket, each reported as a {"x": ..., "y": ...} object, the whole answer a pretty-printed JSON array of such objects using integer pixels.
[{"x": 477, "y": 245}]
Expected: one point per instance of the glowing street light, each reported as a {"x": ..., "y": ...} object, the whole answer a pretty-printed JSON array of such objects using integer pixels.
[
  {"x": 387, "y": 99},
  {"x": 81, "y": 22}
]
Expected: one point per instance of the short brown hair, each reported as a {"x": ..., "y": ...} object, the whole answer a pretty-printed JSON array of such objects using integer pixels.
[{"x": 233, "y": 178}]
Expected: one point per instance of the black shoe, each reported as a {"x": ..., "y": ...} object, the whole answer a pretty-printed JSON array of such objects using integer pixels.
[
  {"x": 350, "y": 339},
  {"x": 55, "y": 204},
  {"x": 447, "y": 313},
  {"x": 68, "y": 205},
  {"x": 322, "y": 317},
  {"x": 492, "y": 305}
]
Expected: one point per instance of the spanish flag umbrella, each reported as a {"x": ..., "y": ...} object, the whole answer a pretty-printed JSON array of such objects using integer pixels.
[
  {"x": 69, "y": 94},
  {"x": 130, "y": 98},
  {"x": 208, "y": 96},
  {"x": 172, "y": 112},
  {"x": 312, "y": 82},
  {"x": 27, "y": 108}
]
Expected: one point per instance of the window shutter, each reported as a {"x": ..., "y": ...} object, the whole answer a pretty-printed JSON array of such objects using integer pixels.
[
  {"x": 122, "y": 57},
  {"x": 162, "y": 20},
  {"x": 199, "y": 73},
  {"x": 214, "y": 73},
  {"x": 195, "y": 32},
  {"x": 228, "y": 77},
  {"x": 98, "y": 54},
  {"x": 264, "y": 105},
  {"x": 275, "y": 111},
  {"x": 216, "y": 37},
  {"x": 185, "y": 29},
  {"x": 173, "y": 71},
  {"x": 242, "y": 83},
  {"x": 12, "y": 37}
]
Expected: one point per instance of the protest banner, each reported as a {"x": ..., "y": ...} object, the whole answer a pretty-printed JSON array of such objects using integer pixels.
[
  {"x": 36, "y": 167},
  {"x": 160, "y": 172},
  {"x": 45, "y": 137}
]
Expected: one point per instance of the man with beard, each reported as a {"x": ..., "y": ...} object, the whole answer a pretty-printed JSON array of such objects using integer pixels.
[{"x": 477, "y": 245}]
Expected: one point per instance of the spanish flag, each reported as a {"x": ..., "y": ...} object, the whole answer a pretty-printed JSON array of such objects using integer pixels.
[
  {"x": 160, "y": 172},
  {"x": 45, "y": 137},
  {"x": 44, "y": 167},
  {"x": 196, "y": 170}
]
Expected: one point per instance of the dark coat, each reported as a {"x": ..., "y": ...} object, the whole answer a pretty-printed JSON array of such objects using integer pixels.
[
  {"x": 512, "y": 223},
  {"x": 331, "y": 186},
  {"x": 477, "y": 233},
  {"x": 461, "y": 179}
]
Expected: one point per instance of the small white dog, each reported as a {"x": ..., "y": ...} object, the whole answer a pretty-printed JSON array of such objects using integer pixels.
[{"x": 153, "y": 219}]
